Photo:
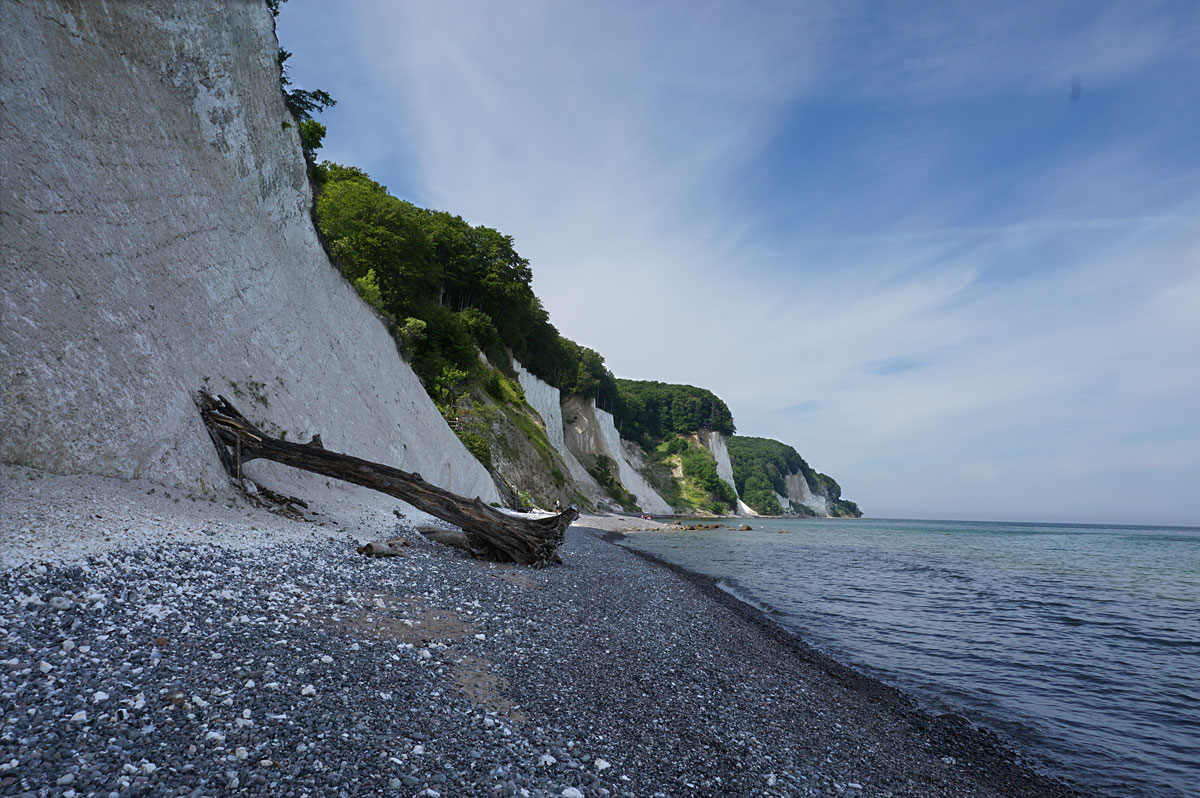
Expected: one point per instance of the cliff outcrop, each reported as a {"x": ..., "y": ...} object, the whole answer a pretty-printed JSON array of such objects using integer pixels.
[
  {"x": 547, "y": 401},
  {"x": 156, "y": 233},
  {"x": 773, "y": 478},
  {"x": 714, "y": 441},
  {"x": 592, "y": 436}
]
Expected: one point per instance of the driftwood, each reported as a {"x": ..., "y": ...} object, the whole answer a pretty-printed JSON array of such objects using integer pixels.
[
  {"x": 491, "y": 534},
  {"x": 393, "y": 547}
]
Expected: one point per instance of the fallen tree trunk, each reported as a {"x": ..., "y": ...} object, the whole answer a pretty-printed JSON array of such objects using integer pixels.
[{"x": 491, "y": 534}]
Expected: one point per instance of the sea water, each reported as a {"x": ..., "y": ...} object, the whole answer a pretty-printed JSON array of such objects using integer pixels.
[{"x": 1079, "y": 644}]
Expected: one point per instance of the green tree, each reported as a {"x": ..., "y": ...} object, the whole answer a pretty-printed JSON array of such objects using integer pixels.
[
  {"x": 312, "y": 134},
  {"x": 368, "y": 229},
  {"x": 301, "y": 103}
]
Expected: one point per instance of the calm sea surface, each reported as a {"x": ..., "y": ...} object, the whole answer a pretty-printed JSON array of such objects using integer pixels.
[{"x": 1081, "y": 644}]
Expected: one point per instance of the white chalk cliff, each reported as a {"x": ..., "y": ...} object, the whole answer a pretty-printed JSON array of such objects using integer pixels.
[
  {"x": 715, "y": 443},
  {"x": 591, "y": 431},
  {"x": 547, "y": 401},
  {"x": 799, "y": 492},
  {"x": 156, "y": 238}
]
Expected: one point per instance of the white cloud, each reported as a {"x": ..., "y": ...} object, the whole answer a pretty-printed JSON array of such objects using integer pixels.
[{"x": 1031, "y": 344}]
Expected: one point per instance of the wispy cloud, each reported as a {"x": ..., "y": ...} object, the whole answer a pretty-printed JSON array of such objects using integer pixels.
[{"x": 882, "y": 234}]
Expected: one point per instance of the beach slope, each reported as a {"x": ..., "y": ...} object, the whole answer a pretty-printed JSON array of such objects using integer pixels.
[{"x": 235, "y": 655}]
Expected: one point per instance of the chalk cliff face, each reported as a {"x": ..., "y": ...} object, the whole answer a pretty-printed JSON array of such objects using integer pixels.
[
  {"x": 590, "y": 432},
  {"x": 715, "y": 443},
  {"x": 547, "y": 401},
  {"x": 801, "y": 493},
  {"x": 154, "y": 219},
  {"x": 745, "y": 509},
  {"x": 800, "y": 496}
]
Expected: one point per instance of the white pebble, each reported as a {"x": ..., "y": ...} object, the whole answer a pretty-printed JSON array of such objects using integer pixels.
[
  {"x": 79, "y": 717},
  {"x": 326, "y": 659},
  {"x": 240, "y": 752},
  {"x": 571, "y": 792},
  {"x": 308, "y": 689},
  {"x": 215, "y": 737},
  {"x": 99, "y": 696},
  {"x": 45, "y": 667},
  {"x": 602, "y": 765},
  {"x": 547, "y": 760},
  {"x": 418, "y": 749}
]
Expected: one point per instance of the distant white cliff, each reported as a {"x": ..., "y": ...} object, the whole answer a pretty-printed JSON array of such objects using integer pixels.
[
  {"x": 799, "y": 492},
  {"x": 591, "y": 431},
  {"x": 546, "y": 400},
  {"x": 715, "y": 443}
]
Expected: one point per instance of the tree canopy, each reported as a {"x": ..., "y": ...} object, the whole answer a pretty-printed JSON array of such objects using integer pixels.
[
  {"x": 468, "y": 284},
  {"x": 648, "y": 411}
]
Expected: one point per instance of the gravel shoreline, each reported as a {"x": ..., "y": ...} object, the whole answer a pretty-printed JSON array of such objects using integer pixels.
[{"x": 209, "y": 667}]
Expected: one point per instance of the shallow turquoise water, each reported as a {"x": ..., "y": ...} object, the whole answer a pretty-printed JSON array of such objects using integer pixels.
[{"x": 1079, "y": 643}]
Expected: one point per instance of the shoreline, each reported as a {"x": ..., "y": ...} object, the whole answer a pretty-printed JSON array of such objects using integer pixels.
[
  {"x": 224, "y": 649},
  {"x": 987, "y": 744}
]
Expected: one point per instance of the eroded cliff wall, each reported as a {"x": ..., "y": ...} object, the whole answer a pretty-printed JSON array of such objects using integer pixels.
[
  {"x": 715, "y": 443},
  {"x": 547, "y": 401},
  {"x": 590, "y": 431},
  {"x": 156, "y": 238},
  {"x": 800, "y": 493}
]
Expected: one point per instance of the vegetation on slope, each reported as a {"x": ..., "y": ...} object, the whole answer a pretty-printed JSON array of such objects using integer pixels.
[
  {"x": 448, "y": 286},
  {"x": 760, "y": 470}
]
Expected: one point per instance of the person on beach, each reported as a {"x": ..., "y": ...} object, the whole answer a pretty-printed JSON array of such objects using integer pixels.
[{"x": 557, "y": 506}]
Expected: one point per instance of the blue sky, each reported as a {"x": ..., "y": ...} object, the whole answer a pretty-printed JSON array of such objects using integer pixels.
[{"x": 950, "y": 252}]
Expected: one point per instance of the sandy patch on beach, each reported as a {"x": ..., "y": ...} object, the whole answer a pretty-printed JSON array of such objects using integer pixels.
[
  {"x": 619, "y": 523},
  {"x": 48, "y": 517}
]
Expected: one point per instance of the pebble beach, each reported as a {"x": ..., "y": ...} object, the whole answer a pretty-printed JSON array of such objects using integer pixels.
[{"x": 209, "y": 648}]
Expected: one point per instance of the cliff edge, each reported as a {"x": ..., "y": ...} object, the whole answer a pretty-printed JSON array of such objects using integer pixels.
[{"x": 157, "y": 238}]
